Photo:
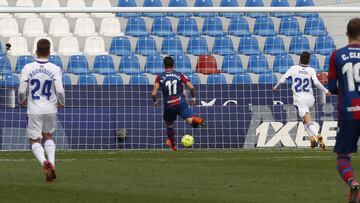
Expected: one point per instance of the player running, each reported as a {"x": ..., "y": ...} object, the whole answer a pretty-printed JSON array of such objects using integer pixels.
[
  {"x": 344, "y": 80},
  {"x": 175, "y": 103},
  {"x": 41, "y": 90},
  {"x": 303, "y": 76}
]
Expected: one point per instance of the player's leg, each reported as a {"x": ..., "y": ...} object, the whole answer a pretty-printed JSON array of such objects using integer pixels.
[
  {"x": 187, "y": 113},
  {"x": 169, "y": 118},
  {"x": 313, "y": 131},
  {"x": 49, "y": 144}
]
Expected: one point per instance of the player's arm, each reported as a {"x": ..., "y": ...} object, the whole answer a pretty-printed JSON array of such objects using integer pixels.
[
  {"x": 155, "y": 90},
  {"x": 332, "y": 76},
  {"x": 318, "y": 84},
  {"x": 24, "y": 80},
  {"x": 59, "y": 88},
  {"x": 191, "y": 87},
  {"x": 282, "y": 80}
]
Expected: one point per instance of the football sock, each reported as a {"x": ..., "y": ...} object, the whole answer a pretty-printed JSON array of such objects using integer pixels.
[
  {"x": 311, "y": 128},
  {"x": 50, "y": 147},
  {"x": 170, "y": 134},
  {"x": 345, "y": 169},
  {"x": 38, "y": 151}
]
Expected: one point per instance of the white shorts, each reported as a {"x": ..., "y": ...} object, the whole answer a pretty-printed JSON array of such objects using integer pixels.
[
  {"x": 304, "y": 106},
  {"x": 40, "y": 123}
]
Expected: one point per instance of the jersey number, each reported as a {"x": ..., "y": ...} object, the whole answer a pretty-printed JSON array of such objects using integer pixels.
[
  {"x": 172, "y": 86},
  {"x": 352, "y": 74},
  {"x": 302, "y": 85},
  {"x": 46, "y": 89}
]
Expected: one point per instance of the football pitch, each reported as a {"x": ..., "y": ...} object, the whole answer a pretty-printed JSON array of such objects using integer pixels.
[{"x": 183, "y": 176}]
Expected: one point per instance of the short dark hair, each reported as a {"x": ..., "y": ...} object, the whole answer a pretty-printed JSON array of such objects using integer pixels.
[
  {"x": 43, "y": 48},
  {"x": 168, "y": 62},
  {"x": 353, "y": 28},
  {"x": 305, "y": 58}
]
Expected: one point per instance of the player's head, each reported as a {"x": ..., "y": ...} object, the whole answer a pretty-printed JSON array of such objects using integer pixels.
[
  {"x": 168, "y": 62},
  {"x": 305, "y": 58},
  {"x": 353, "y": 29},
  {"x": 43, "y": 48}
]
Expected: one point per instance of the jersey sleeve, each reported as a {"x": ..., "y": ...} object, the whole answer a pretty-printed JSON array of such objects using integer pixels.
[
  {"x": 24, "y": 76},
  {"x": 59, "y": 86},
  {"x": 157, "y": 80},
  {"x": 317, "y": 83},
  {"x": 184, "y": 79},
  {"x": 332, "y": 76},
  {"x": 283, "y": 79},
  {"x": 23, "y": 85}
]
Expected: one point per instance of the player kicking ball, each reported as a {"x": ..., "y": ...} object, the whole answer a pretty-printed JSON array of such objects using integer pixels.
[
  {"x": 303, "y": 76},
  {"x": 41, "y": 90},
  {"x": 171, "y": 83}
]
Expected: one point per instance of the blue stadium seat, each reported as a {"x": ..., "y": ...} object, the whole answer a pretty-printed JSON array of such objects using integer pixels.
[
  {"x": 232, "y": 64},
  {"x": 258, "y": 64},
  {"x": 243, "y": 78},
  {"x": 204, "y": 3},
  {"x": 255, "y": 3},
  {"x": 280, "y": 3},
  {"x": 145, "y": 46},
  {"x": 213, "y": 27},
  {"x": 327, "y": 63},
  {"x": 182, "y": 63},
  {"x": 314, "y": 62},
  {"x": 66, "y": 80},
  {"x": 78, "y": 64},
  {"x": 87, "y": 79},
  {"x": 130, "y": 65},
  {"x": 230, "y": 3},
  {"x": 194, "y": 79},
  {"x": 22, "y": 61},
  {"x": 162, "y": 27},
  {"x": 113, "y": 80},
  {"x": 216, "y": 79},
  {"x": 179, "y": 3},
  {"x": 289, "y": 26},
  {"x": 197, "y": 46},
  {"x": 282, "y": 63},
  {"x": 248, "y": 46},
  {"x": 239, "y": 27},
  {"x": 154, "y": 64},
  {"x": 136, "y": 27},
  {"x": 264, "y": 26},
  {"x": 140, "y": 79},
  {"x": 55, "y": 59},
  {"x": 153, "y": 3},
  {"x": 127, "y": 3},
  {"x": 274, "y": 46},
  {"x": 267, "y": 78},
  {"x": 104, "y": 64},
  {"x": 171, "y": 46},
  {"x": 324, "y": 45},
  {"x": 298, "y": 44},
  {"x": 120, "y": 46},
  {"x": 187, "y": 27},
  {"x": 6, "y": 69},
  {"x": 315, "y": 26},
  {"x": 301, "y": 3},
  {"x": 223, "y": 46},
  {"x": 9, "y": 80}
]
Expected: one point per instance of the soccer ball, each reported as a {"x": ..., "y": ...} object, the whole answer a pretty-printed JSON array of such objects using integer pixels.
[{"x": 187, "y": 140}]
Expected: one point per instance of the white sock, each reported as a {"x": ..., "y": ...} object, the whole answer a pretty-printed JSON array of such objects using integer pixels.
[
  {"x": 38, "y": 151},
  {"x": 311, "y": 128},
  {"x": 50, "y": 150}
]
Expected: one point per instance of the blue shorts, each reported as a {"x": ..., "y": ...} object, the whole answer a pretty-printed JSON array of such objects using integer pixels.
[
  {"x": 347, "y": 136},
  {"x": 183, "y": 110}
]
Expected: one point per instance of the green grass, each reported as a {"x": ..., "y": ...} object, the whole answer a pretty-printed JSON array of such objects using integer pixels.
[{"x": 183, "y": 176}]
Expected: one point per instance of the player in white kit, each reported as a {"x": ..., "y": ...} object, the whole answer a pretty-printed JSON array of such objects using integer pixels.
[
  {"x": 41, "y": 90},
  {"x": 303, "y": 76}
]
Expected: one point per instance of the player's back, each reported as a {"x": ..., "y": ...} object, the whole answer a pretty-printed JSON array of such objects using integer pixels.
[{"x": 301, "y": 76}]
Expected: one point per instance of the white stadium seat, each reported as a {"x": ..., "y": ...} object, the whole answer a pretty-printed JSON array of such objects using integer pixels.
[
  {"x": 102, "y": 4},
  {"x": 19, "y": 46},
  {"x": 53, "y": 4},
  {"x": 110, "y": 27},
  {"x": 59, "y": 27},
  {"x": 52, "y": 51},
  {"x": 34, "y": 27},
  {"x": 76, "y": 4},
  {"x": 25, "y": 3},
  {"x": 95, "y": 46},
  {"x": 4, "y": 3},
  {"x": 12, "y": 28},
  {"x": 84, "y": 27},
  {"x": 69, "y": 46}
]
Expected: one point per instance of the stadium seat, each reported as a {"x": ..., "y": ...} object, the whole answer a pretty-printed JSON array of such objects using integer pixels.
[
  {"x": 289, "y": 26},
  {"x": 248, "y": 46},
  {"x": 230, "y": 3},
  {"x": 268, "y": 78},
  {"x": 22, "y": 61},
  {"x": 324, "y": 45},
  {"x": 258, "y": 64},
  {"x": 194, "y": 78},
  {"x": 25, "y": 3},
  {"x": 59, "y": 27},
  {"x": 4, "y": 3},
  {"x": 110, "y": 27},
  {"x": 162, "y": 27},
  {"x": 315, "y": 27},
  {"x": 6, "y": 69},
  {"x": 78, "y": 64},
  {"x": 182, "y": 63},
  {"x": 153, "y": 3},
  {"x": 255, "y": 3},
  {"x": 282, "y": 63},
  {"x": 203, "y": 3},
  {"x": 239, "y": 27},
  {"x": 55, "y": 59},
  {"x": 243, "y": 78},
  {"x": 10, "y": 80},
  {"x": 197, "y": 46},
  {"x": 66, "y": 80},
  {"x": 120, "y": 46},
  {"x": 232, "y": 64},
  {"x": 178, "y": 3},
  {"x": 187, "y": 27},
  {"x": 145, "y": 46},
  {"x": 213, "y": 27},
  {"x": 139, "y": 79},
  {"x": 298, "y": 44},
  {"x": 85, "y": 27},
  {"x": 19, "y": 46},
  {"x": 104, "y": 64},
  {"x": 223, "y": 46},
  {"x": 12, "y": 28},
  {"x": 216, "y": 79},
  {"x": 154, "y": 64},
  {"x": 264, "y": 27},
  {"x": 95, "y": 46},
  {"x": 207, "y": 65},
  {"x": 129, "y": 64},
  {"x": 136, "y": 27},
  {"x": 76, "y": 4},
  {"x": 34, "y": 27},
  {"x": 301, "y": 3},
  {"x": 50, "y": 4},
  {"x": 69, "y": 46},
  {"x": 113, "y": 80},
  {"x": 280, "y": 3},
  {"x": 87, "y": 79},
  {"x": 274, "y": 46},
  {"x": 314, "y": 62},
  {"x": 102, "y": 4},
  {"x": 127, "y": 3},
  {"x": 326, "y": 63},
  {"x": 171, "y": 46}
]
